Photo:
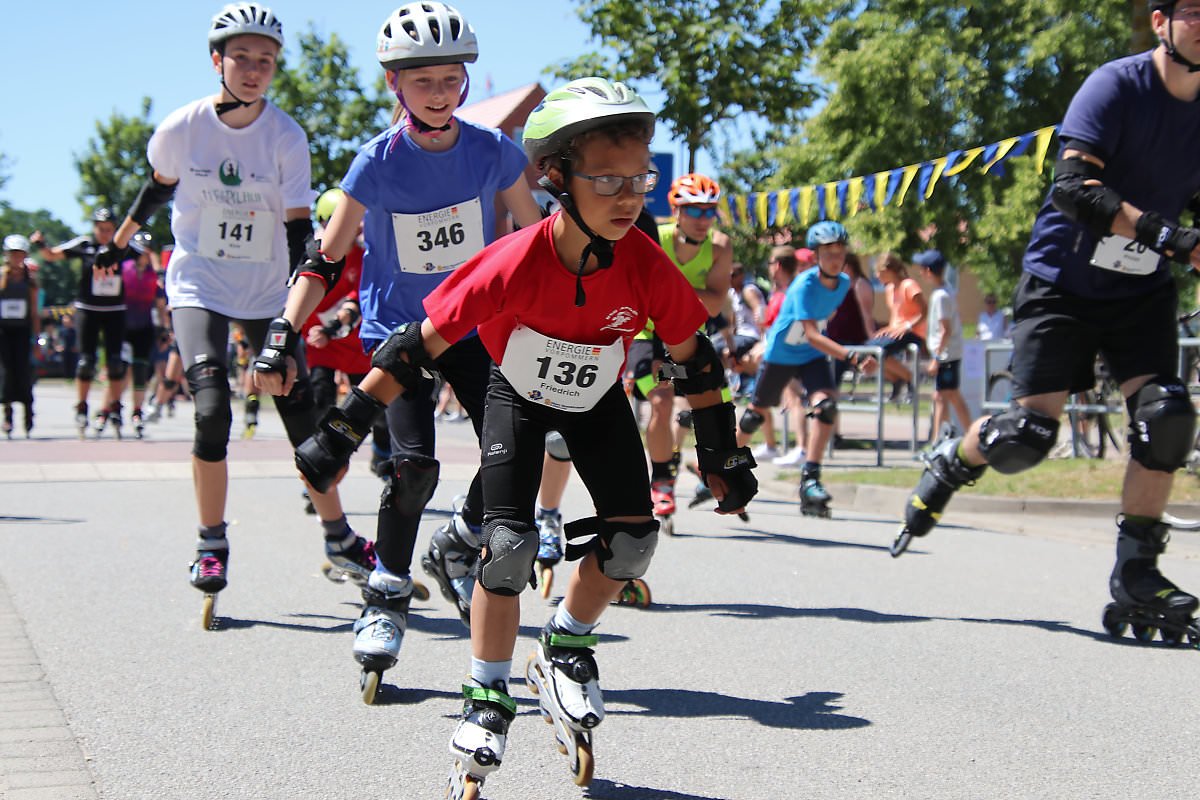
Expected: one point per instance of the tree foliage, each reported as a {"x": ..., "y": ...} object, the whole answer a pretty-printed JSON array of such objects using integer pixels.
[
  {"x": 714, "y": 60},
  {"x": 57, "y": 278},
  {"x": 325, "y": 94},
  {"x": 911, "y": 80},
  {"x": 113, "y": 167}
]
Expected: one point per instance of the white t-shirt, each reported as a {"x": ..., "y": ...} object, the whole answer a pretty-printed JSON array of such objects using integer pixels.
[
  {"x": 744, "y": 323},
  {"x": 944, "y": 306},
  {"x": 992, "y": 326},
  {"x": 231, "y": 252}
]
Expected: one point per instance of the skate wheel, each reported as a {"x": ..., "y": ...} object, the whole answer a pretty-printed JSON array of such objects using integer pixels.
[
  {"x": 1144, "y": 633},
  {"x": 369, "y": 683},
  {"x": 744, "y": 517},
  {"x": 545, "y": 581},
  {"x": 1171, "y": 638},
  {"x": 584, "y": 763},
  {"x": 209, "y": 618},
  {"x": 532, "y": 671},
  {"x": 1112, "y": 621},
  {"x": 1194, "y": 639},
  {"x": 901, "y": 543},
  {"x": 420, "y": 591},
  {"x": 635, "y": 593},
  {"x": 333, "y": 573}
]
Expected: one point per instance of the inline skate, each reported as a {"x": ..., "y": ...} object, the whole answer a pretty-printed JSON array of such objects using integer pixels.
[
  {"x": 81, "y": 419},
  {"x": 209, "y": 574},
  {"x": 250, "y": 420},
  {"x": 479, "y": 740},
  {"x": 1145, "y": 601},
  {"x": 945, "y": 473},
  {"x": 662, "y": 497},
  {"x": 379, "y": 632},
  {"x": 562, "y": 673},
  {"x": 139, "y": 425},
  {"x": 814, "y": 500},
  {"x": 453, "y": 551},
  {"x": 8, "y": 421},
  {"x": 550, "y": 550}
]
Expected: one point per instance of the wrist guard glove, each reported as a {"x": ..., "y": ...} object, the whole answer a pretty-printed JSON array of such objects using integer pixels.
[
  {"x": 322, "y": 456},
  {"x": 280, "y": 343}
]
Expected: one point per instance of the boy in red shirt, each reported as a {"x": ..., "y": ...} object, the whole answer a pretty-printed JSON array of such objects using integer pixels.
[{"x": 557, "y": 305}]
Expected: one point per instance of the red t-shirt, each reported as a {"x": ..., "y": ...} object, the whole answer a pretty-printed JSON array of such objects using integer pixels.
[
  {"x": 773, "y": 305},
  {"x": 345, "y": 353},
  {"x": 519, "y": 279}
]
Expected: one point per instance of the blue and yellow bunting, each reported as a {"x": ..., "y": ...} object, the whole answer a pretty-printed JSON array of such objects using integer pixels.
[{"x": 847, "y": 198}]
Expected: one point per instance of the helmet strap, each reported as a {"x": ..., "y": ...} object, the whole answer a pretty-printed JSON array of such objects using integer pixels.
[
  {"x": 687, "y": 239},
  {"x": 1169, "y": 43},
  {"x": 597, "y": 245}
]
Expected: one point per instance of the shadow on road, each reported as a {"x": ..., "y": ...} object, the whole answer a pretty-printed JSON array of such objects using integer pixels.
[
  {"x": 608, "y": 790},
  {"x": 752, "y": 610},
  {"x": 811, "y": 711},
  {"x": 40, "y": 520}
]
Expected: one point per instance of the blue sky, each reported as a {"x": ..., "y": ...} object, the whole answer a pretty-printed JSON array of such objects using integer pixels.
[{"x": 69, "y": 64}]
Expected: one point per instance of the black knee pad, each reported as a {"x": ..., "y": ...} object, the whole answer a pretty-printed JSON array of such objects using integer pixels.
[
  {"x": 825, "y": 411},
  {"x": 684, "y": 418},
  {"x": 412, "y": 480},
  {"x": 141, "y": 373},
  {"x": 209, "y": 384},
  {"x": 1017, "y": 439},
  {"x": 556, "y": 447},
  {"x": 85, "y": 368},
  {"x": 1162, "y": 424},
  {"x": 116, "y": 369},
  {"x": 751, "y": 421},
  {"x": 509, "y": 551},
  {"x": 623, "y": 549}
]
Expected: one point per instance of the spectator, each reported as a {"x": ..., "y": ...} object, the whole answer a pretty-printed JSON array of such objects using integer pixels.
[{"x": 993, "y": 322}]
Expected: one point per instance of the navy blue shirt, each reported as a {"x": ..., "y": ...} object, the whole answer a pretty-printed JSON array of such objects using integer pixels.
[{"x": 1150, "y": 144}]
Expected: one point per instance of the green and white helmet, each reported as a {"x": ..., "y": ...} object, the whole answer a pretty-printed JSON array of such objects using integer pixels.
[
  {"x": 241, "y": 19},
  {"x": 580, "y": 106},
  {"x": 426, "y": 34}
]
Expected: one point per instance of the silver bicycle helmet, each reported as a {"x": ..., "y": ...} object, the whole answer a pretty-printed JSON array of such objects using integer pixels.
[
  {"x": 240, "y": 19},
  {"x": 426, "y": 34}
]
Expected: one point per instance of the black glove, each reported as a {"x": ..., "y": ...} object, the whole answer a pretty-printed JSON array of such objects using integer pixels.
[
  {"x": 110, "y": 256},
  {"x": 322, "y": 456},
  {"x": 280, "y": 343},
  {"x": 1162, "y": 236},
  {"x": 735, "y": 468}
]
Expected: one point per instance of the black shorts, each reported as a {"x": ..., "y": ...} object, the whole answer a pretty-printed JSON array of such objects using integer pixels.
[
  {"x": 639, "y": 364},
  {"x": 1057, "y": 335},
  {"x": 815, "y": 375},
  {"x": 949, "y": 375},
  {"x": 892, "y": 347},
  {"x": 605, "y": 445}
]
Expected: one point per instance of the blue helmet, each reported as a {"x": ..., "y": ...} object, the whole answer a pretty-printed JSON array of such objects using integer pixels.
[{"x": 826, "y": 232}]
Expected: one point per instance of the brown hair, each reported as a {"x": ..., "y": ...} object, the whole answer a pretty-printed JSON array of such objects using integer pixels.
[
  {"x": 892, "y": 263},
  {"x": 617, "y": 133},
  {"x": 785, "y": 256},
  {"x": 854, "y": 266}
]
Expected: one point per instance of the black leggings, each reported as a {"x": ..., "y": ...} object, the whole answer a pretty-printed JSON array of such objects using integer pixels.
[
  {"x": 605, "y": 446},
  {"x": 202, "y": 336},
  {"x": 16, "y": 361},
  {"x": 90, "y": 324},
  {"x": 411, "y": 425}
]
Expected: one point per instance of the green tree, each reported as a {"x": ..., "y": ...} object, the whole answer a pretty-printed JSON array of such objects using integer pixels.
[
  {"x": 325, "y": 94},
  {"x": 911, "y": 80},
  {"x": 715, "y": 60},
  {"x": 113, "y": 167},
  {"x": 57, "y": 278}
]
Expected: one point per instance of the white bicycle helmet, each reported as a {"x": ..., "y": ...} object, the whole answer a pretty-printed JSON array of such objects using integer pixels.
[
  {"x": 426, "y": 34},
  {"x": 16, "y": 242},
  {"x": 240, "y": 19}
]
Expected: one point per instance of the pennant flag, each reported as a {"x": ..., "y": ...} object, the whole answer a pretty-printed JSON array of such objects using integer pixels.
[
  {"x": 908, "y": 173},
  {"x": 840, "y": 199},
  {"x": 855, "y": 193}
]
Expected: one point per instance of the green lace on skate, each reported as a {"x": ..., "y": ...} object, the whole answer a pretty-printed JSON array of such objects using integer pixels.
[
  {"x": 490, "y": 696},
  {"x": 573, "y": 642}
]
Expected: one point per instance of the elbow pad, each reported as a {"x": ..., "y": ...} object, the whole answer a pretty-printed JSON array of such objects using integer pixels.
[
  {"x": 299, "y": 231},
  {"x": 314, "y": 264},
  {"x": 1093, "y": 207},
  {"x": 151, "y": 198}
]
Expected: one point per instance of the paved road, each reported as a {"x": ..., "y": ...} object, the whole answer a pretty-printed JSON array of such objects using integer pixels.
[{"x": 784, "y": 657}]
